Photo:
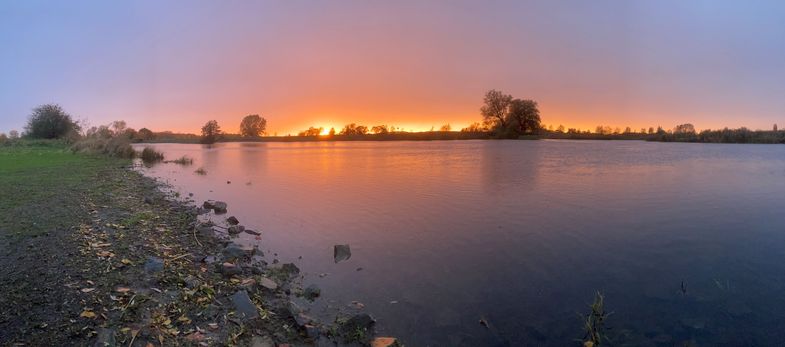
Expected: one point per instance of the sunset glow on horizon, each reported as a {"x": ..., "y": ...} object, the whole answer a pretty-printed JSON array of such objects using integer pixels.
[{"x": 416, "y": 65}]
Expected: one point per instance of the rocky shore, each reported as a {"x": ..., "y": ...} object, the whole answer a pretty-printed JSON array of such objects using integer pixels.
[{"x": 136, "y": 266}]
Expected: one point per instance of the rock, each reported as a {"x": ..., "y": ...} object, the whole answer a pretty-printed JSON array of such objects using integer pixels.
[
  {"x": 205, "y": 231},
  {"x": 297, "y": 314},
  {"x": 385, "y": 342},
  {"x": 243, "y": 305},
  {"x": 220, "y": 207},
  {"x": 191, "y": 282},
  {"x": 361, "y": 322},
  {"x": 234, "y": 251},
  {"x": 229, "y": 269},
  {"x": 148, "y": 200},
  {"x": 312, "y": 331},
  {"x": 153, "y": 265},
  {"x": 105, "y": 338},
  {"x": 262, "y": 341},
  {"x": 341, "y": 253},
  {"x": 232, "y": 220},
  {"x": 268, "y": 283},
  {"x": 252, "y": 232},
  {"x": 209, "y": 204},
  {"x": 312, "y": 292},
  {"x": 235, "y": 229},
  {"x": 290, "y": 269}
]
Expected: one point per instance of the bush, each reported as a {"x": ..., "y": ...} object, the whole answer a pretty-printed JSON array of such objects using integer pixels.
[
  {"x": 150, "y": 155},
  {"x": 50, "y": 122},
  {"x": 184, "y": 160},
  {"x": 114, "y": 146}
]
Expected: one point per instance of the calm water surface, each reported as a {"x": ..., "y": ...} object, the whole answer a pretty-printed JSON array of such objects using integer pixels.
[{"x": 520, "y": 233}]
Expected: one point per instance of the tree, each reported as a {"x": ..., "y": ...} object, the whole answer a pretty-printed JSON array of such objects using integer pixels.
[
  {"x": 560, "y": 129},
  {"x": 145, "y": 134},
  {"x": 446, "y": 127},
  {"x": 524, "y": 116},
  {"x": 651, "y": 130},
  {"x": 253, "y": 126},
  {"x": 50, "y": 122},
  {"x": 311, "y": 132},
  {"x": 380, "y": 129},
  {"x": 628, "y": 130},
  {"x": 775, "y": 126},
  {"x": 496, "y": 108},
  {"x": 332, "y": 132},
  {"x": 13, "y": 135},
  {"x": 474, "y": 128},
  {"x": 686, "y": 128},
  {"x": 211, "y": 132},
  {"x": 354, "y": 129}
]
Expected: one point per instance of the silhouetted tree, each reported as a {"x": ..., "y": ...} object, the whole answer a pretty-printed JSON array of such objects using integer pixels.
[
  {"x": 524, "y": 116},
  {"x": 332, "y": 132},
  {"x": 253, "y": 126},
  {"x": 311, "y": 131},
  {"x": 354, "y": 129},
  {"x": 211, "y": 132},
  {"x": 380, "y": 129},
  {"x": 686, "y": 128},
  {"x": 13, "y": 135},
  {"x": 446, "y": 127},
  {"x": 50, "y": 122},
  {"x": 496, "y": 108},
  {"x": 651, "y": 130},
  {"x": 145, "y": 134},
  {"x": 775, "y": 127},
  {"x": 475, "y": 128},
  {"x": 560, "y": 129}
]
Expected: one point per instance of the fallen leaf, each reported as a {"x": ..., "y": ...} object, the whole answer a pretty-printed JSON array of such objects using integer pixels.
[
  {"x": 87, "y": 290},
  {"x": 87, "y": 314},
  {"x": 122, "y": 289},
  {"x": 125, "y": 261},
  {"x": 212, "y": 326}
]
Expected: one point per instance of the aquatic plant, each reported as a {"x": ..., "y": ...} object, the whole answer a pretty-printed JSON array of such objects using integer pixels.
[
  {"x": 594, "y": 324},
  {"x": 150, "y": 155},
  {"x": 184, "y": 160},
  {"x": 201, "y": 171}
]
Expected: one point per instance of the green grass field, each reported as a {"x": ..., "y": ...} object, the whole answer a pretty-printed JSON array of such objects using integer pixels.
[{"x": 40, "y": 183}]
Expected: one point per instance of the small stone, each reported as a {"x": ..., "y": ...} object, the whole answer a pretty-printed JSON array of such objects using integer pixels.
[
  {"x": 311, "y": 330},
  {"x": 232, "y": 220},
  {"x": 234, "y": 251},
  {"x": 252, "y": 232},
  {"x": 235, "y": 229},
  {"x": 219, "y": 207},
  {"x": 341, "y": 253},
  {"x": 262, "y": 341},
  {"x": 385, "y": 342},
  {"x": 106, "y": 338},
  {"x": 148, "y": 200},
  {"x": 243, "y": 305},
  {"x": 153, "y": 265},
  {"x": 312, "y": 292},
  {"x": 229, "y": 269},
  {"x": 268, "y": 283}
]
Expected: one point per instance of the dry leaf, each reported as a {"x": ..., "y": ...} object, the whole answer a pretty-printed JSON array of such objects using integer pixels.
[
  {"x": 122, "y": 289},
  {"x": 87, "y": 290},
  {"x": 87, "y": 314}
]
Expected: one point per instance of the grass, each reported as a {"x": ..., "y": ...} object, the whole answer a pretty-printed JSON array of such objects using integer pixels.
[
  {"x": 150, "y": 155},
  {"x": 594, "y": 325},
  {"x": 40, "y": 182},
  {"x": 184, "y": 161}
]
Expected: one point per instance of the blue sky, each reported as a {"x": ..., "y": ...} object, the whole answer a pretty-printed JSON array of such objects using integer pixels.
[{"x": 176, "y": 64}]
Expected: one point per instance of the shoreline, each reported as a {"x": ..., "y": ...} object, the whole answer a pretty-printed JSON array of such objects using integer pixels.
[{"x": 134, "y": 265}]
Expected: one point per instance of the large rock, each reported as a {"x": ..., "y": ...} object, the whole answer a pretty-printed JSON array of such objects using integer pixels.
[
  {"x": 218, "y": 206},
  {"x": 234, "y": 251},
  {"x": 243, "y": 306},
  {"x": 341, "y": 253},
  {"x": 232, "y": 220},
  {"x": 298, "y": 314},
  {"x": 235, "y": 229},
  {"x": 229, "y": 269}
]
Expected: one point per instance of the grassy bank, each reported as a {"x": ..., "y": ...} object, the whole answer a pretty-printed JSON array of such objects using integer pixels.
[{"x": 92, "y": 253}]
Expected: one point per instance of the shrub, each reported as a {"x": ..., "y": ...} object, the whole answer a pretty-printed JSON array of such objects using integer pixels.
[
  {"x": 114, "y": 146},
  {"x": 50, "y": 122},
  {"x": 150, "y": 155}
]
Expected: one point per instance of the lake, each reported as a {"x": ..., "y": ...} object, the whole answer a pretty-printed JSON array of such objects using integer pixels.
[{"x": 685, "y": 241}]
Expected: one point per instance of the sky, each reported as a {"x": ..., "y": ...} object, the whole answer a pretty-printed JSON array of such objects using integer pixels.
[{"x": 174, "y": 65}]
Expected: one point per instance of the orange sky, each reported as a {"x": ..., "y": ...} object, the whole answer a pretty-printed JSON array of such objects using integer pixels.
[{"x": 176, "y": 65}]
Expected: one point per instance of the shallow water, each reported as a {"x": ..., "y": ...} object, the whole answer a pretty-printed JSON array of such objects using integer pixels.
[{"x": 519, "y": 233}]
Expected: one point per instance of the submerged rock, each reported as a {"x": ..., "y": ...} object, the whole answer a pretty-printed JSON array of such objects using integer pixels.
[
  {"x": 290, "y": 269},
  {"x": 341, "y": 253},
  {"x": 243, "y": 305},
  {"x": 153, "y": 264},
  {"x": 362, "y": 322},
  {"x": 232, "y": 220},
  {"x": 312, "y": 292}
]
